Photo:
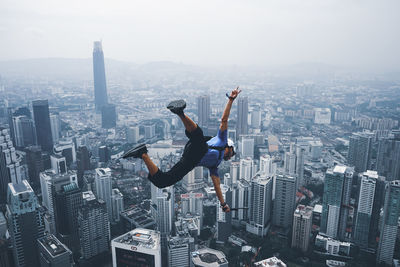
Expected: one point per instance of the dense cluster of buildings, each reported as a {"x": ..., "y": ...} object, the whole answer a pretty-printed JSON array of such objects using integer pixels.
[{"x": 67, "y": 199}]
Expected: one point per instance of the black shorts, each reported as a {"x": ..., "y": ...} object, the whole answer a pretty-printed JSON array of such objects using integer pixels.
[{"x": 194, "y": 151}]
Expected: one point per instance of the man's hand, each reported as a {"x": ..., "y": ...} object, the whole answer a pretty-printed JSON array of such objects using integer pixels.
[
  {"x": 235, "y": 92},
  {"x": 225, "y": 208}
]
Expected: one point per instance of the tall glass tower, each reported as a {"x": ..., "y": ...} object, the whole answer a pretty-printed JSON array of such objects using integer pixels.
[
  {"x": 99, "y": 77},
  {"x": 42, "y": 124}
]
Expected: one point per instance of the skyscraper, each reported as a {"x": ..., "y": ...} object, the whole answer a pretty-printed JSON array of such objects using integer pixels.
[
  {"x": 103, "y": 187},
  {"x": 25, "y": 223},
  {"x": 132, "y": 134},
  {"x": 179, "y": 250},
  {"x": 302, "y": 222},
  {"x": 388, "y": 157},
  {"x": 300, "y": 166},
  {"x": 389, "y": 226},
  {"x": 35, "y": 164},
  {"x": 54, "y": 253},
  {"x": 108, "y": 116},
  {"x": 163, "y": 210},
  {"x": 224, "y": 224},
  {"x": 42, "y": 124},
  {"x": 240, "y": 199},
  {"x": 242, "y": 116},
  {"x": 117, "y": 203},
  {"x": 94, "y": 226},
  {"x": 247, "y": 147},
  {"x": 99, "y": 77},
  {"x": 55, "y": 127},
  {"x": 10, "y": 164},
  {"x": 371, "y": 186},
  {"x": 336, "y": 200},
  {"x": 285, "y": 200},
  {"x": 246, "y": 169},
  {"x": 50, "y": 183},
  {"x": 24, "y": 131},
  {"x": 256, "y": 118},
  {"x": 68, "y": 202},
  {"x": 360, "y": 148},
  {"x": 139, "y": 247},
  {"x": 260, "y": 205},
  {"x": 203, "y": 110},
  {"x": 82, "y": 162}
]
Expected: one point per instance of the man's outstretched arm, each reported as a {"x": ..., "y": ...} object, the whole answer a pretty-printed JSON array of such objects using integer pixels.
[
  {"x": 218, "y": 191},
  {"x": 224, "y": 120}
]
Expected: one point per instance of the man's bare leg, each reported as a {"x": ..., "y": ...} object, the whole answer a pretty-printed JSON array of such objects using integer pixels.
[
  {"x": 153, "y": 169},
  {"x": 190, "y": 125}
]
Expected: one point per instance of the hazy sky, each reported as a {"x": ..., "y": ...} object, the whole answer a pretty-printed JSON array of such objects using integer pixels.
[{"x": 262, "y": 32}]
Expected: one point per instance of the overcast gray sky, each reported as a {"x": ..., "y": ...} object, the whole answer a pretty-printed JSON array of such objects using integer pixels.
[{"x": 262, "y": 32}]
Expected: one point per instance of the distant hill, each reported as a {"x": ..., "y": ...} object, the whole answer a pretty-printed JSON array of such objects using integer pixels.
[{"x": 67, "y": 68}]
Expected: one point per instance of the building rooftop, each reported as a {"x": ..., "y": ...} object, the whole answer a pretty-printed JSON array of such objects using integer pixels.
[
  {"x": 304, "y": 210},
  {"x": 52, "y": 245},
  {"x": 140, "y": 237},
  {"x": 318, "y": 208},
  {"x": 208, "y": 257},
  {"x": 20, "y": 188},
  {"x": 271, "y": 262},
  {"x": 88, "y": 196}
]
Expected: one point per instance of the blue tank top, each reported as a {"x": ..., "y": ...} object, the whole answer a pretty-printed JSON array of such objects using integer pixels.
[{"x": 214, "y": 157}]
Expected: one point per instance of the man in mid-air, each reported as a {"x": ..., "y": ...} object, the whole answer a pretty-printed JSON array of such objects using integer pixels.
[{"x": 198, "y": 151}]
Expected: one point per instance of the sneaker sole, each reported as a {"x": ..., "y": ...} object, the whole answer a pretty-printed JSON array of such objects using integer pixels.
[
  {"x": 131, "y": 153},
  {"x": 176, "y": 105}
]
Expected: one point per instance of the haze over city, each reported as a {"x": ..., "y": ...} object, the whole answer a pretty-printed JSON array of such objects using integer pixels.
[
  {"x": 362, "y": 34},
  {"x": 200, "y": 133}
]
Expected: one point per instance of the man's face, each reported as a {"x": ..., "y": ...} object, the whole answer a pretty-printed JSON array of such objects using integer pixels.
[{"x": 228, "y": 153}]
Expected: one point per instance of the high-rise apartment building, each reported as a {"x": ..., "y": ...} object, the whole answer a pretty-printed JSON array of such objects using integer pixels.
[
  {"x": 53, "y": 253},
  {"x": 370, "y": 200},
  {"x": 240, "y": 199},
  {"x": 359, "y": 154},
  {"x": 203, "y": 111},
  {"x": 246, "y": 169},
  {"x": 42, "y": 124},
  {"x": 389, "y": 224},
  {"x": 103, "y": 185},
  {"x": 388, "y": 157},
  {"x": 99, "y": 77},
  {"x": 301, "y": 232},
  {"x": 336, "y": 201},
  {"x": 224, "y": 225},
  {"x": 132, "y": 134},
  {"x": 94, "y": 226},
  {"x": 25, "y": 220},
  {"x": 117, "y": 203},
  {"x": 285, "y": 200},
  {"x": 260, "y": 205},
  {"x": 247, "y": 147},
  {"x": 242, "y": 116},
  {"x": 137, "y": 248}
]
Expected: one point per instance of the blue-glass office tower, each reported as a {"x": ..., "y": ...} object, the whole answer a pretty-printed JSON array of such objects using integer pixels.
[
  {"x": 42, "y": 124},
  {"x": 99, "y": 77}
]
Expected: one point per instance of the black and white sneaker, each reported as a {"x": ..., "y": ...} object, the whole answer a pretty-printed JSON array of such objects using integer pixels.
[
  {"x": 177, "y": 106},
  {"x": 136, "y": 152}
]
